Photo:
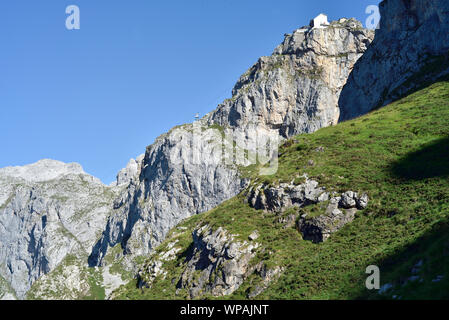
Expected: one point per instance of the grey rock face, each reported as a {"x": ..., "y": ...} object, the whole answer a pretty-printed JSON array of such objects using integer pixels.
[
  {"x": 131, "y": 171},
  {"x": 178, "y": 178},
  {"x": 296, "y": 90},
  {"x": 347, "y": 200},
  {"x": 48, "y": 210},
  {"x": 411, "y": 33},
  {"x": 222, "y": 263},
  {"x": 320, "y": 228}
]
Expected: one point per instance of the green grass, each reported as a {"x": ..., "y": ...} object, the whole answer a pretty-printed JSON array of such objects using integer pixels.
[
  {"x": 5, "y": 288},
  {"x": 399, "y": 155},
  {"x": 95, "y": 281}
]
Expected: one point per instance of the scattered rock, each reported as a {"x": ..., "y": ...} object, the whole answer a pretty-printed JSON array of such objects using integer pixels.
[
  {"x": 285, "y": 196},
  {"x": 287, "y": 221},
  {"x": 417, "y": 267},
  {"x": 340, "y": 211},
  {"x": 69, "y": 210},
  {"x": 319, "y": 229},
  {"x": 253, "y": 236},
  {"x": 52, "y": 210},
  {"x": 348, "y": 200}
]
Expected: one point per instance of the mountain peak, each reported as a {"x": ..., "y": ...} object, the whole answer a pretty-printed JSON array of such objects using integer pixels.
[{"x": 42, "y": 170}]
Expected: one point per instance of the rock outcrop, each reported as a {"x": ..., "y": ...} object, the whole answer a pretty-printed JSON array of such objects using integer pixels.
[
  {"x": 218, "y": 264},
  {"x": 339, "y": 210},
  {"x": 48, "y": 210},
  {"x": 6, "y": 293},
  {"x": 284, "y": 196},
  {"x": 410, "y": 48},
  {"x": 267, "y": 275}
]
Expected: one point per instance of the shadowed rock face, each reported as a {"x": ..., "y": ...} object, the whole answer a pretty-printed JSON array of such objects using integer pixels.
[{"x": 413, "y": 37}]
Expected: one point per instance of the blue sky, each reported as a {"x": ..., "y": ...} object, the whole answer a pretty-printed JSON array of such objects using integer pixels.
[{"x": 99, "y": 95}]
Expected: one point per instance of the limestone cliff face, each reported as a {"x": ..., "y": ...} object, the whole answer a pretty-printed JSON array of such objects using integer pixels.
[
  {"x": 48, "y": 210},
  {"x": 413, "y": 34},
  {"x": 296, "y": 89},
  {"x": 179, "y": 177}
]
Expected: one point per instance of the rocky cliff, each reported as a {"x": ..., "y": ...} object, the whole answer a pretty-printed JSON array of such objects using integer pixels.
[
  {"x": 178, "y": 177},
  {"x": 296, "y": 89},
  {"x": 410, "y": 48},
  {"x": 48, "y": 210}
]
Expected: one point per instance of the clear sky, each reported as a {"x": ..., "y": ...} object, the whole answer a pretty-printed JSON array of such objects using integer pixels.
[{"x": 99, "y": 95}]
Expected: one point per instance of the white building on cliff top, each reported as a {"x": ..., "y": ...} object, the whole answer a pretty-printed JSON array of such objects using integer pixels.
[{"x": 320, "y": 21}]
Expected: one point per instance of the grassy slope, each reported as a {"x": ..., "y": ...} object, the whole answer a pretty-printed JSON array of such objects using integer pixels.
[
  {"x": 5, "y": 288},
  {"x": 399, "y": 155},
  {"x": 56, "y": 285}
]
